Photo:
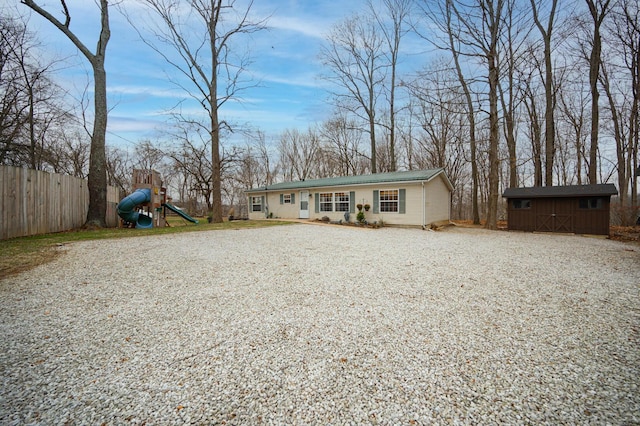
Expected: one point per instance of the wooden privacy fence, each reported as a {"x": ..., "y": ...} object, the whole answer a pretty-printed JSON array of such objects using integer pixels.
[{"x": 34, "y": 202}]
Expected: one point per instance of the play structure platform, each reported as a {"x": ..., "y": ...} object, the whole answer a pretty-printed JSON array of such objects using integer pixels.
[{"x": 144, "y": 206}]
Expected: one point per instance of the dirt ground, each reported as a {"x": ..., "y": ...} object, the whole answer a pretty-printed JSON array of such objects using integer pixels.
[
  {"x": 625, "y": 233},
  {"x": 617, "y": 233}
]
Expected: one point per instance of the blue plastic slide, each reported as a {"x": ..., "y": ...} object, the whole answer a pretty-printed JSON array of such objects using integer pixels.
[
  {"x": 180, "y": 212},
  {"x": 127, "y": 208}
]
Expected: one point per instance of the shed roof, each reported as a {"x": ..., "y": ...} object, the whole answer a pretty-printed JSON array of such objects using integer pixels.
[
  {"x": 562, "y": 191},
  {"x": 414, "y": 175}
]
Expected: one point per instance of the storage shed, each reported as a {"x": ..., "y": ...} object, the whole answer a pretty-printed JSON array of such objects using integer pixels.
[{"x": 579, "y": 209}]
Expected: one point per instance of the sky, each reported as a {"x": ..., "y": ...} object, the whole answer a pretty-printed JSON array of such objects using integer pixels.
[{"x": 285, "y": 58}]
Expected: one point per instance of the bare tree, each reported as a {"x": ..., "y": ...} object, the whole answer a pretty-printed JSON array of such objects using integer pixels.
[
  {"x": 298, "y": 154},
  {"x": 97, "y": 179},
  {"x": 14, "y": 103},
  {"x": 191, "y": 160},
  {"x": 344, "y": 138},
  {"x": 396, "y": 12},
  {"x": 444, "y": 16},
  {"x": 439, "y": 109},
  {"x": 508, "y": 87},
  {"x": 549, "y": 127},
  {"x": 31, "y": 103},
  {"x": 148, "y": 156},
  {"x": 202, "y": 33},
  {"x": 598, "y": 10},
  {"x": 483, "y": 45},
  {"x": 619, "y": 80},
  {"x": 256, "y": 166},
  {"x": 119, "y": 167},
  {"x": 355, "y": 58},
  {"x": 573, "y": 105},
  {"x": 530, "y": 102},
  {"x": 67, "y": 152}
]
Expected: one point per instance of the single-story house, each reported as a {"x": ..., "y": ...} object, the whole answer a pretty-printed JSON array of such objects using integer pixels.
[
  {"x": 579, "y": 209},
  {"x": 417, "y": 198}
]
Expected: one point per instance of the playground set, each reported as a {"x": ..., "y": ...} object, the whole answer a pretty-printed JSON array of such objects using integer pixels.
[{"x": 144, "y": 207}]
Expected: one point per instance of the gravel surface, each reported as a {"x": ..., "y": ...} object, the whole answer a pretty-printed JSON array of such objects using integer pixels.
[{"x": 307, "y": 324}]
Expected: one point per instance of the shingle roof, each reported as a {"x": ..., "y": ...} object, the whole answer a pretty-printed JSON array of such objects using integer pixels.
[
  {"x": 561, "y": 191},
  {"x": 414, "y": 175}
]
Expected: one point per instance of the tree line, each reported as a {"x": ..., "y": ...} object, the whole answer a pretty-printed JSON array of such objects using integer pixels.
[{"x": 511, "y": 93}]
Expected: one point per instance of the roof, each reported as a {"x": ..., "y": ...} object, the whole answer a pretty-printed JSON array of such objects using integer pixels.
[
  {"x": 599, "y": 190},
  {"x": 377, "y": 178}
]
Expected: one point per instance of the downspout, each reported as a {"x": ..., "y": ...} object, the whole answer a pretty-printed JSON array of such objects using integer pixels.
[
  {"x": 424, "y": 208},
  {"x": 450, "y": 204}
]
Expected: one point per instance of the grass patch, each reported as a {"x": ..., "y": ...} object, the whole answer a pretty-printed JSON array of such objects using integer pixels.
[{"x": 22, "y": 254}]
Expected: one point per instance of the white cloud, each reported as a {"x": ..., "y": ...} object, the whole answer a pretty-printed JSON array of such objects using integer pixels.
[
  {"x": 153, "y": 91},
  {"x": 310, "y": 28}
]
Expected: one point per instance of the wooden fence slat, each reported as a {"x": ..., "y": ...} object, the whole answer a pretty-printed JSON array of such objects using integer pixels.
[{"x": 35, "y": 202}]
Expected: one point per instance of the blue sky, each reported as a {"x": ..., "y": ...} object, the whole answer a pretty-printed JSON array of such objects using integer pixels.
[{"x": 290, "y": 95}]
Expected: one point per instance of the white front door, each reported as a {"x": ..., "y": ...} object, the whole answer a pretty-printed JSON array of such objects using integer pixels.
[{"x": 304, "y": 204}]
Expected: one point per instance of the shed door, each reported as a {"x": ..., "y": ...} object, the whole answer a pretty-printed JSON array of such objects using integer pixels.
[{"x": 554, "y": 215}]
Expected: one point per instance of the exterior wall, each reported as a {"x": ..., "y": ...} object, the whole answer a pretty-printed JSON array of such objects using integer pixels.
[
  {"x": 437, "y": 203},
  {"x": 593, "y": 221}
]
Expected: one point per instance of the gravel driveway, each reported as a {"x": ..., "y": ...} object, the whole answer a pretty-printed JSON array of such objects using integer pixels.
[{"x": 306, "y": 324}]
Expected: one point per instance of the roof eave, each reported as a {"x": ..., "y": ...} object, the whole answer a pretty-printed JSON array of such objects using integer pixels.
[{"x": 294, "y": 187}]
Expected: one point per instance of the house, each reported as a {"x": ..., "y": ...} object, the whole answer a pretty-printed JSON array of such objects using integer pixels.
[
  {"x": 415, "y": 198},
  {"x": 579, "y": 209}
]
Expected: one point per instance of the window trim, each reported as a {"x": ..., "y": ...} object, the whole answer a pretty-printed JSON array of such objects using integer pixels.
[
  {"x": 599, "y": 203},
  {"x": 324, "y": 203},
  {"x": 342, "y": 202},
  {"x": 254, "y": 203},
  {"x": 333, "y": 203},
  {"x": 396, "y": 201},
  {"x": 520, "y": 202}
]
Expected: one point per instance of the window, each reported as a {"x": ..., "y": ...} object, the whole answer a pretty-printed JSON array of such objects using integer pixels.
[
  {"x": 521, "y": 204},
  {"x": 256, "y": 204},
  {"x": 286, "y": 199},
  {"x": 333, "y": 202},
  {"x": 326, "y": 202},
  {"x": 590, "y": 203},
  {"x": 389, "y": 201},
  {"x": 342, "y": 201}
]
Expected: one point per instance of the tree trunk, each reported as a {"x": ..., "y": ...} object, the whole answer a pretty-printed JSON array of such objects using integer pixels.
[
  {"x": 595, "y": 113},
  {"x": 392, "y": 120},
  {"x": 475, "y": 210},
  {"x": 216, "y": 179},
  {"x": 494, "y": 136},
  {"x": 372, "y": 138},
  {"x": 594, "y": 70},
  {"x": 97, "y": 179},
  {"x": 549, "y": 126}
]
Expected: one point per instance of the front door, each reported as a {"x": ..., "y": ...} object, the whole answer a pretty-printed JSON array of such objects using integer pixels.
[{"x": 304, "y": 204}]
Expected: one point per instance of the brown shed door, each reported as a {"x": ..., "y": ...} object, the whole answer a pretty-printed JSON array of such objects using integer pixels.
[{"x": 554, "y": 215}]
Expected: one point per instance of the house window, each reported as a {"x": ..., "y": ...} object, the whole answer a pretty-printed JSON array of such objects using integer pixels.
[
  {"x": 286, "y": 199},
  {"x": 326, "y": 202},
  {"x": 590, "y": 203},
  {"x": 521, "y": 204},
  {"x": 256, "y": 204},
  {"x": 389, "y": 200},
  {"x": 342, "y": 201}
]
